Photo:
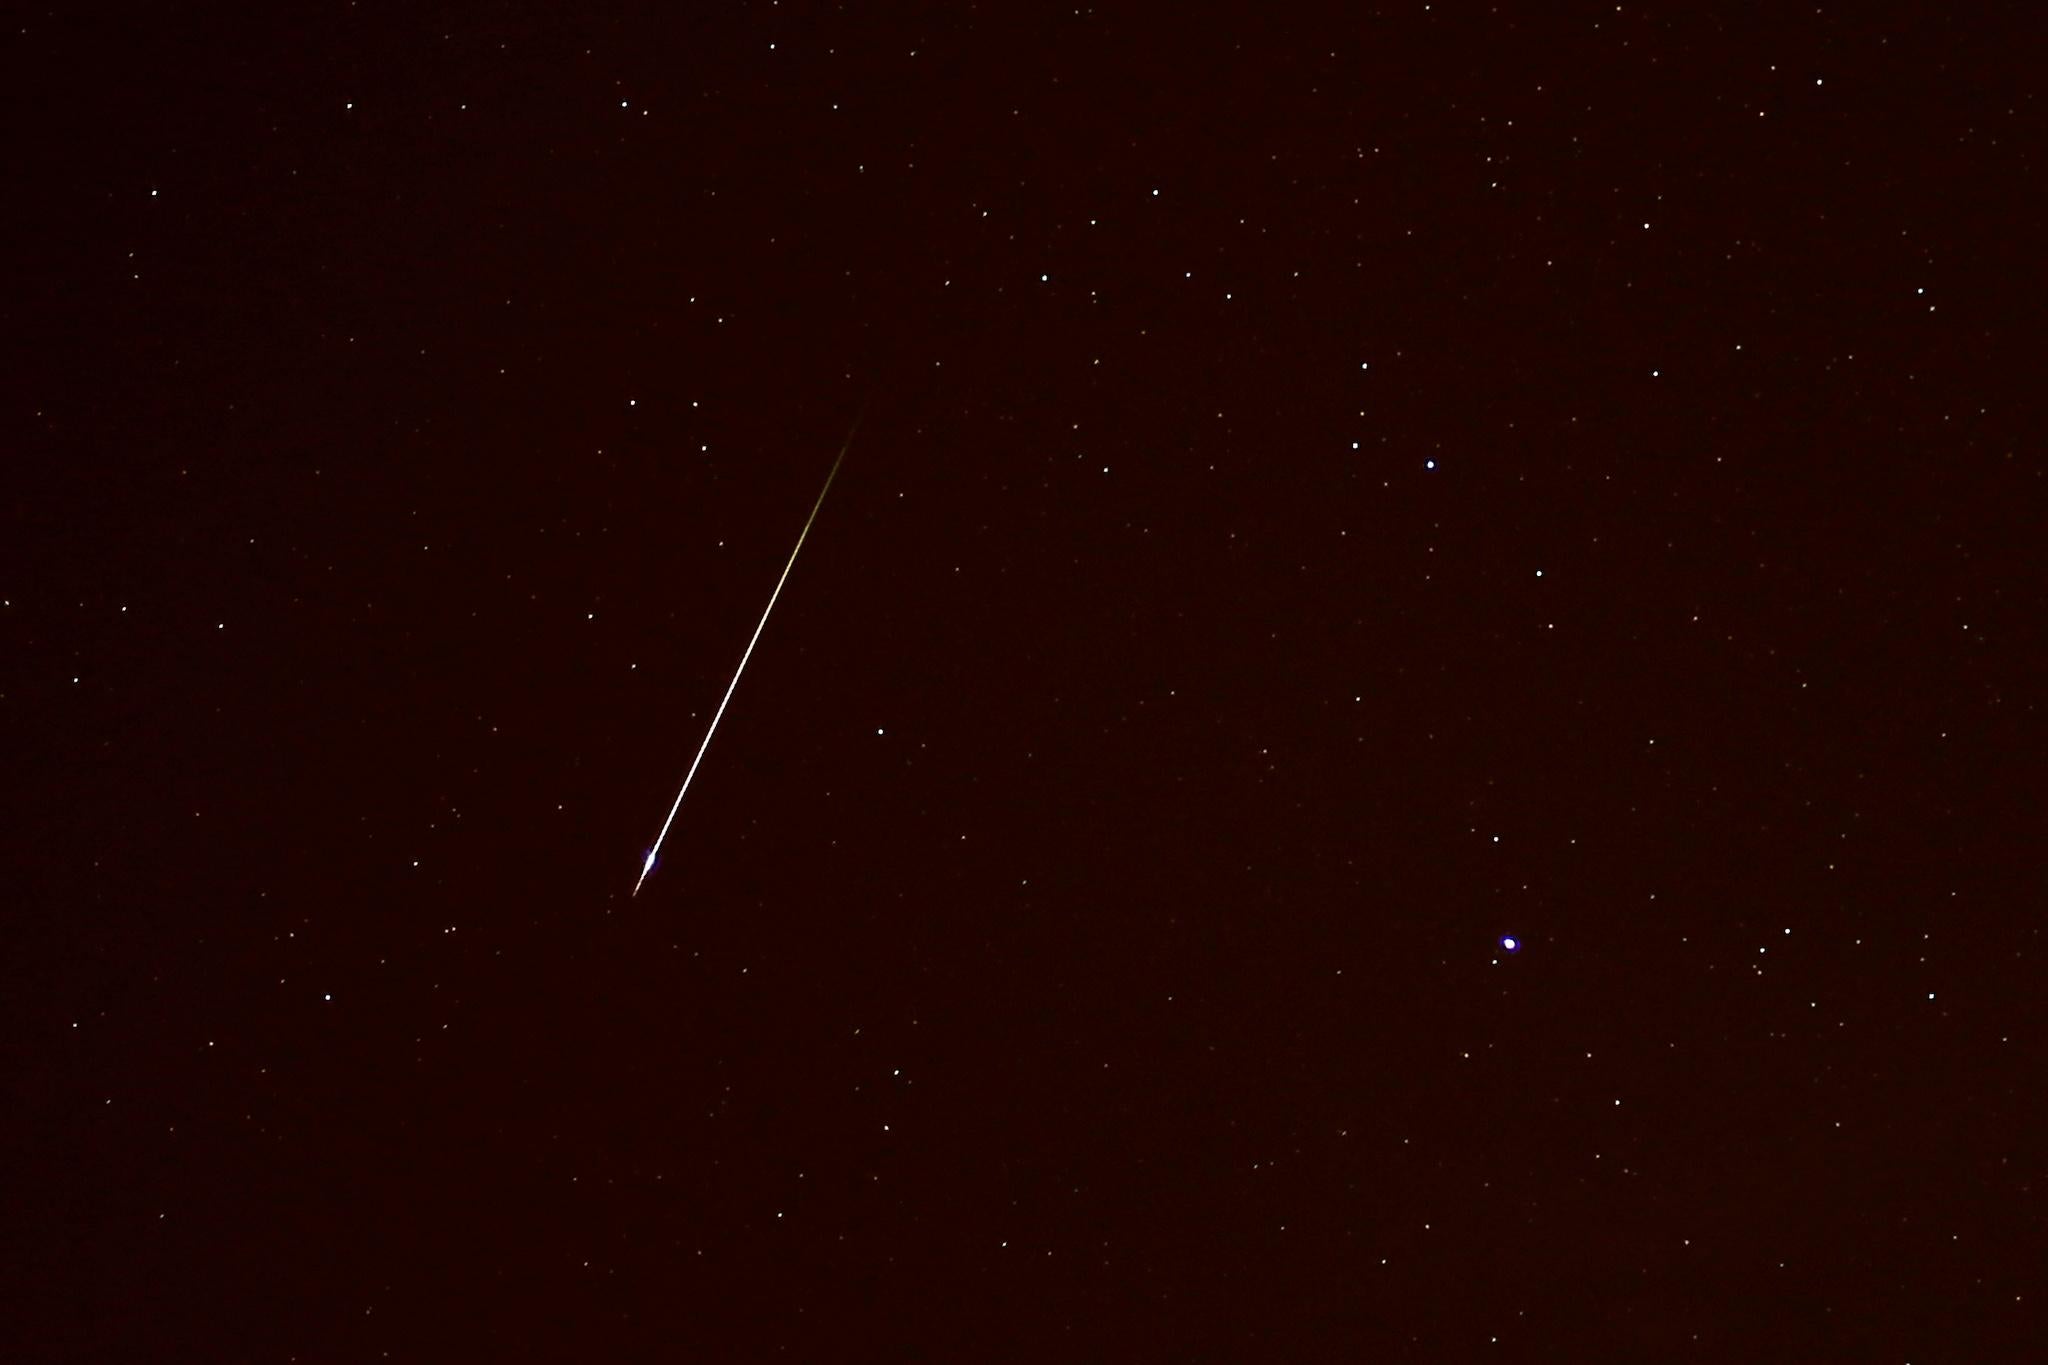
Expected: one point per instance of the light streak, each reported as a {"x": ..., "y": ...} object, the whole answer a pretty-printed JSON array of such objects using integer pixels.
[{"x": 654, "y": 851}]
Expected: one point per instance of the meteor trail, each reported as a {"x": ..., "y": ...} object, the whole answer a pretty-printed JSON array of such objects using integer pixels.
[{"x": 648, "y": 866}]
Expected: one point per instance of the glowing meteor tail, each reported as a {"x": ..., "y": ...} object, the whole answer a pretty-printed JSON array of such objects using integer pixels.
[{"x": 647, "y": 867}]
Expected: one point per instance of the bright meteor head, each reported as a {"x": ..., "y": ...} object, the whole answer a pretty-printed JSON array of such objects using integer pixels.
[{"x": 647, "y": 866}]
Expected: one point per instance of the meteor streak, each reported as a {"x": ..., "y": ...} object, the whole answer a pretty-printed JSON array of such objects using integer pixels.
[{"x": 647, "y": 867}]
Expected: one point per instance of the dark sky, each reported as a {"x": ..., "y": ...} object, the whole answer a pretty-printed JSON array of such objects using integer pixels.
[{"x": 1408, "y": 733}]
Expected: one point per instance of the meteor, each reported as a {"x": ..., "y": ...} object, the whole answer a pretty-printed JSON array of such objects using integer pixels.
[{"x": 654, "y": 851}]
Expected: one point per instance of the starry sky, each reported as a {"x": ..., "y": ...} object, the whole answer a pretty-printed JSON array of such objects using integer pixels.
[{"x": 1405, "y": 735}]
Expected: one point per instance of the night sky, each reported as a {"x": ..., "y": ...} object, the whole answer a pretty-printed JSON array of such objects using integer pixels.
[{"x": 1411, "y": 730}]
